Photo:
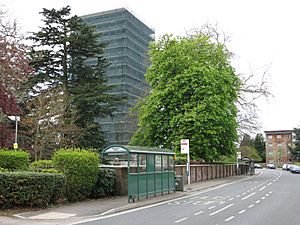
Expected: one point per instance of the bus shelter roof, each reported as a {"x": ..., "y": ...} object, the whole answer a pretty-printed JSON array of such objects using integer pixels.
[{"x": 136, "y": 149}]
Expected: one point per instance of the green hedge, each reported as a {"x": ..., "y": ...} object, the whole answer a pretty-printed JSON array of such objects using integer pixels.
[
  {"x": 29, "y": 189},
  {"x": 105, "y": 184},
  {"x": 41, "y": 165},
  {"x": 14, "y": 159},
  {"x": 81, "y": 170}
]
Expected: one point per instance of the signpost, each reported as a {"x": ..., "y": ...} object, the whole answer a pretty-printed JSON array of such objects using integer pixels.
[
  {"x": 238, "y": 156},
  {"x": 17, "y": 119},
  {"x": 185, "y": 149}
]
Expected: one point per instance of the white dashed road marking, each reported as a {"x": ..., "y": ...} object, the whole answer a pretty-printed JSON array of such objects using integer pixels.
[
  {"x": 262, "y": 188},
  {"x": 178, "y": 221},
  {"x": 220, "y": 210},
  {"x": 248, "y": 196},
  {"x": 197, "y": 213},
  {"x": 242, "y": 211},
  {"x": 229, "y": 218}
]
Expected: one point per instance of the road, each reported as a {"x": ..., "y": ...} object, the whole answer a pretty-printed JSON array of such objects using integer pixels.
[{"x": 273, "y": 197}]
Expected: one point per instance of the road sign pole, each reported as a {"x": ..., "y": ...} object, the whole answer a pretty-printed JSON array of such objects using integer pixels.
[
  {"x": 238, "y": 156},
  {"x": 185, "y": 149},
  {"x": 189, "y": 170}
]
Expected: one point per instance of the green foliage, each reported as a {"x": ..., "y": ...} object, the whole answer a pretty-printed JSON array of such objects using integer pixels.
[
  {"x": 260, "y": 145},
  {"x": 81, "y": 170},
  {"x": 67, "y": 53},
  {"x": 257, "y": 145},
  {"x": 180, "y": 160},
  {"x": 14, "y": 159},
  {"x": 194, "y": 90},
  {"x": 246, "y": 141},
  {"x": 295, "y": 150},
  {"x": 228, "y": 159},
  {"x": 51, "y": 170},
  {"x": 250, "y": 152},
  {"x": 105, "y": 184},
  {"x": 3, "y": 170},
  {"x": 41, "y": 165},
  {"x": 29, "y": 189}
]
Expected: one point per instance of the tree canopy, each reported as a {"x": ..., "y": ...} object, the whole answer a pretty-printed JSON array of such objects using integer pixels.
[
  {"x": 14, "y": 72},
  {"x": 68, "y": 56},
  {"x": 260, "y": 145},
  {"x": 253, "y": 148},
  {"x": 250, "y": 152},
  {"x": 193, "y": 93},
  {"x": 295, "y": 149}
]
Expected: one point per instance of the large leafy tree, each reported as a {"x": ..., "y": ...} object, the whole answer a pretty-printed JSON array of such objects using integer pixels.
[
  {"x": 253, "y": 86},
  {"x": 67, "y": 54},
  {"x": 193, "y": 93},
  {"x": 14, "y": 72}
]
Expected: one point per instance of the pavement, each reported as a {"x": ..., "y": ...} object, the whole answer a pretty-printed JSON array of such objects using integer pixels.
[{"x": 71, "y": 213}]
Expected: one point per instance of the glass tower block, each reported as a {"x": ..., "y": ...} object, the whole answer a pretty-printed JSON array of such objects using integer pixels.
[{"x": 127, "y": 40}]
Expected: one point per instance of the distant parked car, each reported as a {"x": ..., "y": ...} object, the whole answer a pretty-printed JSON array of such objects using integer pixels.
[
  {"x": 284, "y": 166},
  {"x": 271, "y": 166},
  {"x": 257, "y": 166},
  {"x": 289, "y": 167},
  {"x": 295, "y": 169}
]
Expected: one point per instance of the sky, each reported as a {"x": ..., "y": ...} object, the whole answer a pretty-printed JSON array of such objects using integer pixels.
[{"x": 264, "y": 37}]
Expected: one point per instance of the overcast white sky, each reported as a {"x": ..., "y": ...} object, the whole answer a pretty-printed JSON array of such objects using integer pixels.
[{"x": 263, "y": 33}]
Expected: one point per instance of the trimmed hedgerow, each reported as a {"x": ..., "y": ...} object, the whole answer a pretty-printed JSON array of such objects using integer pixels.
[
  {"x": 50, "y": 170},
  {"x": 29, "y": 189},
  {"x": 3, "y": 170},
  {"x": 105, "y": 185},
  {"x": 41, "y": 165},
  {"x": 81, "y": 170},
  {"x": 14, "y": 159}
]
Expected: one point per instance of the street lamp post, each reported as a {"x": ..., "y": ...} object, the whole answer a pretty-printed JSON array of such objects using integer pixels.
[{"x": 17, "y": 119}]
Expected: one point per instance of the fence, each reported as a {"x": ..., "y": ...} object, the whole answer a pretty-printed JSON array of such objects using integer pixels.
[{"x": 211, "y": 171}]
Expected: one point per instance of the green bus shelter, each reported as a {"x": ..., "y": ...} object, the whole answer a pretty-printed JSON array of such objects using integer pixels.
[{"x": 151, "y": 171}]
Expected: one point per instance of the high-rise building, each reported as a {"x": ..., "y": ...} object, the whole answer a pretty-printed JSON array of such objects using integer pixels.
[
  {"x": 127, "y": 40},
  {"x": 277, "y": 146}
]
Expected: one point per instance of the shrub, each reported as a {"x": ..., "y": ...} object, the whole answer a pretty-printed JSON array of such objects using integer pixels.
[
  {"x": 3, "y": 170},
  {"x": 29, "y": 189},
  {"x": 180, "y": 160},
  {"x": 50, "y": 170},
  {"x": 105, "y": 184},
  {"x": 41, "y": 165},
  {"x": 81, "y": 170},
  {"x": 14, "y": 159}
]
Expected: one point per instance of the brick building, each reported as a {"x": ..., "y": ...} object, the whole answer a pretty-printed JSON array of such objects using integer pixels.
[{"x": 277, "y": 146}]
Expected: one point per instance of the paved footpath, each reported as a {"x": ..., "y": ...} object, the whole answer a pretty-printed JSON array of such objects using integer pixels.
[{"x": 71, "y": 213}]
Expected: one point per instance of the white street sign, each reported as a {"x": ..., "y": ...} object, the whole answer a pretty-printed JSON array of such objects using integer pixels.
[
  {"x": 14, "y": 118},
  {"x": 239, "y": 155},
  {"x": 185, "y": 146}
]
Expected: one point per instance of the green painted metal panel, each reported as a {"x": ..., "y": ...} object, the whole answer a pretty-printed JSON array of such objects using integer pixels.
[
  {"x": 150, "y": 163},
  {"x": 151, "y": 188},
  {"x": 150, "y": 170},
  {"x": 132, "y": 184},
  {"x": 143, "y": 184},
  {"x": 158, "y": 180}
]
